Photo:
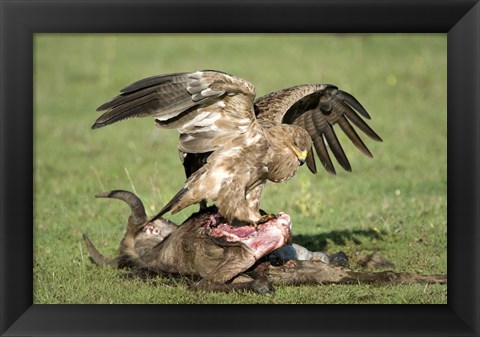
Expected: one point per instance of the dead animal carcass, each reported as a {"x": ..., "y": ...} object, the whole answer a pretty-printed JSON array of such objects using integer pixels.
[{"x": 217, "y": 256}]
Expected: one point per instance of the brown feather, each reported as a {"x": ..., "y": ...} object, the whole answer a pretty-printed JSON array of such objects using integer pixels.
[
  {"x": 358, "y": 122},
  {"x": 230, "y": 145},
  {"x": 318, "y": 108},
  {"x": 353, "y": 136}
]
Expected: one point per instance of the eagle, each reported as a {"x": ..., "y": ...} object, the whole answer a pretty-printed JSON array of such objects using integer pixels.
[{"x": 231, "y": 144}]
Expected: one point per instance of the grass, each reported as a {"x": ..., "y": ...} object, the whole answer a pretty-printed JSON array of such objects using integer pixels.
[{"x": 395, "y": 204}]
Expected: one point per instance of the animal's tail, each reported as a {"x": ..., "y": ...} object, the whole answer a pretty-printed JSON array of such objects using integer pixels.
[{"x": 171, "y": 204}]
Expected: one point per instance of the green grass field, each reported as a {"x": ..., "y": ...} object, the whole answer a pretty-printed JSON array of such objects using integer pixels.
[{"x": 394, "y": 204}]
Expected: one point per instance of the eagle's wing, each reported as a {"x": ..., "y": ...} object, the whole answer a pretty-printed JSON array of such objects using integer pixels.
[
  {"x": 206, "y": 107},
  {"x": 317, "y": 108}
]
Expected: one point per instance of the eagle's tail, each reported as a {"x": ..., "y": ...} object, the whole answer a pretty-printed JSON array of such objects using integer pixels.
[{"x": 171, "y": 204}]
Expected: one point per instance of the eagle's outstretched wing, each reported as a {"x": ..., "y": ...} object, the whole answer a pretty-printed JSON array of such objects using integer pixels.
[
  {"x": 317, "y": 108},
  {"x": 233, "y": 145},
  {"x": 207, "y": 107},
  {"x": 221, "y": 145}
]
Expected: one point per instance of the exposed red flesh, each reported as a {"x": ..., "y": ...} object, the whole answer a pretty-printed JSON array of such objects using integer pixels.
[{"x": 260, "y": 240}]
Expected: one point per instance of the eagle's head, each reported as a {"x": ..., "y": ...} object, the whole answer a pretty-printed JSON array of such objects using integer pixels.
[{"x": 289, "y": 146}]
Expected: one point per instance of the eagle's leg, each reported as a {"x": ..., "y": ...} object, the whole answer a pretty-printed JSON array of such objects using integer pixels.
[
  {"x": 236, "y": 203},
  {"x": 252, "y": 198},
  {"x": 237, "y": 210}
]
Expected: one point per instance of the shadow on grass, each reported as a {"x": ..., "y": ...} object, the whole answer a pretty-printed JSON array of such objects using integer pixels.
[{"x": 319, "y": 242}]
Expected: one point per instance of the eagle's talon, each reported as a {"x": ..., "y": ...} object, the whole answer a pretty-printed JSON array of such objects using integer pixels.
[{"x": 265, "y": 218}]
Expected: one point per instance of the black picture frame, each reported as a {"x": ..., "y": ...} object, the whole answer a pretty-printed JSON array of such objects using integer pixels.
[{"x": 20, "y": 20}]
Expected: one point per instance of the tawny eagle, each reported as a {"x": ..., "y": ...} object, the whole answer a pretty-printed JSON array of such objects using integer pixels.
[{"x": 231, "y": 144}]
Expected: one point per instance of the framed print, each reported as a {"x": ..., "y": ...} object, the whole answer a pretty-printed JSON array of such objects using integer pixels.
[{"x": 408, "y": 63}]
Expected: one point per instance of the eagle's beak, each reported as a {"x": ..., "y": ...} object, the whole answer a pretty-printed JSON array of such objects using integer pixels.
[
  {"x": 302, "y": 158},
  {"x": 301, "y": 155}
]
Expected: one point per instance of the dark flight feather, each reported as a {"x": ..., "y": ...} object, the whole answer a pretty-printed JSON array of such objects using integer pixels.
[{"x": 217, "y": 118}]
